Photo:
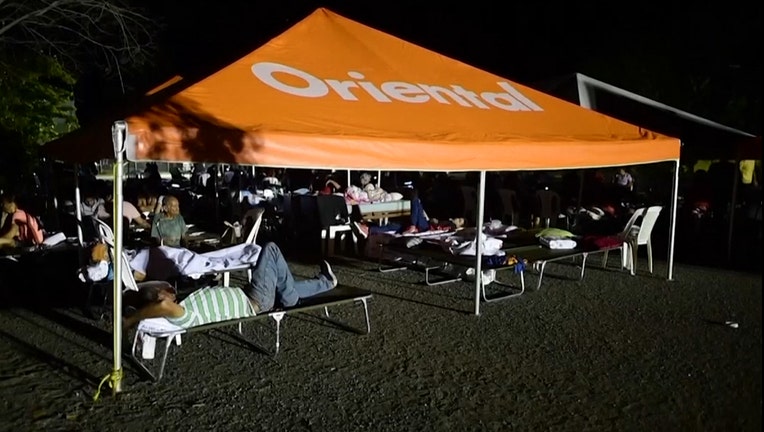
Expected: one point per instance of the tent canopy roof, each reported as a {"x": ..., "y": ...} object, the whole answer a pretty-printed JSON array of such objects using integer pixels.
[{"x": 330, "y": 92}]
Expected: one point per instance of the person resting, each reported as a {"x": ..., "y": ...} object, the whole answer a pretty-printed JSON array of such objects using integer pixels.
[
  {"x": 17, "y": 227},
  {"x": 129, "y": 212},
  {"x": 272, "y": 284},
  {"x": 419, "y": 222},
  {"x": 168, "y": 227},
  {"x": 165, "y": 262}
]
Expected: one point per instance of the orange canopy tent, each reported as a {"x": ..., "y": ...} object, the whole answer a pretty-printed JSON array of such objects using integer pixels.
[{"x": 332, "y": 93}]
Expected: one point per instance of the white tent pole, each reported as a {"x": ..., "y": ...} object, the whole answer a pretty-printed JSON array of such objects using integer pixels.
[
  {"x": 78, "y": 204},
  {"x": 733, "y": 202},
  {"x": 348, "y": 185},
  {"x": 584, "y": 98},
  {"x": 479, "y": 242},
  {"x": 379, "y": 178},
  {"x": 672, "y": 223},
  {"x": 118, "y": 132}
]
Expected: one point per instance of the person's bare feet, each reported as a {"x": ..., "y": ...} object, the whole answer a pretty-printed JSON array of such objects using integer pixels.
[{"x": 411, "y": 230}]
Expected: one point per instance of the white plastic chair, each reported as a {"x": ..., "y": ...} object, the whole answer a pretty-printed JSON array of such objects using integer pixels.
[
  {"x": 639, "y": 235},
  {"x": 624, "y": 235},
  {"x": 107, "y": 236}
]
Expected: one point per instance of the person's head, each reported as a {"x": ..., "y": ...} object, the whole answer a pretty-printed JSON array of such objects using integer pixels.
[
  {"x": 91, "y": 198},
  {"x": 622, "y": 171},
  {"x": 171, "y": 206},
  {"x": 149, "y": 293},
  {"x": 365, "y": 179},
  {"x": 8, "y": 203}
]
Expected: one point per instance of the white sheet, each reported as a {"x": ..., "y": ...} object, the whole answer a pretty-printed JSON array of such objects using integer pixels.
[{"x": 164, "y": 262}]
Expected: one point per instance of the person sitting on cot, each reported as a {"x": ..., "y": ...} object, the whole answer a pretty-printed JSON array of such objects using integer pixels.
[
  {"x": 272, "y": 283},
  {"x": 17, "y": 227},
  {"x": 168, "y": 227},
  {"x": 419, "y": 222}
]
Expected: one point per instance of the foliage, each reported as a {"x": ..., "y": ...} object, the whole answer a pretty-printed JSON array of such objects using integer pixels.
[
  {"x": 37, "y": 98},
  {"x": 46, "y": 46},
  {"x": 80, "y": 33}
]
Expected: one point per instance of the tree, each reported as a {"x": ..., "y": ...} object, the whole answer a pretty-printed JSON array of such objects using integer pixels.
[
  {"x": 79, "y": 33},
  {"x": 45, "y": 47}
]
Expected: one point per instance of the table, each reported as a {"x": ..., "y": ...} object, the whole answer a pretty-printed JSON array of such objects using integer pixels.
[{"x": 382, "y": 210}]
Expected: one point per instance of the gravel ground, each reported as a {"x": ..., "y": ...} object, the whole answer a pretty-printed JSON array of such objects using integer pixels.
[{"x": 613, "y": 352}]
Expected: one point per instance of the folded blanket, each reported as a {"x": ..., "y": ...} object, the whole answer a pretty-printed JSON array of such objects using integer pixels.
[{"x": 557, "y": 243}]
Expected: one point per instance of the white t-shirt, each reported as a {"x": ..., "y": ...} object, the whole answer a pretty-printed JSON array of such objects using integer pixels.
[{"x": 129, "y": 210}]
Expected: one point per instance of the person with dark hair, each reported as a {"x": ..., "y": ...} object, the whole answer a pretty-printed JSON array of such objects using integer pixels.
[
  {"x": 272, "y": 283},
  {"x": 17, "y": 227}
]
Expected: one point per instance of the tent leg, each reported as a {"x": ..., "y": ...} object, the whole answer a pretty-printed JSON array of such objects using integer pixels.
[
  {"x": 479, "y": 243},
  {"x": 672, "y": 223},
  {"x": 78, "y": 204},
  {"x": 119, "y": 131}
]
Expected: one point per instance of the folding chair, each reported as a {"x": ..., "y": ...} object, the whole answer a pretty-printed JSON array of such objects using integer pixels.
[{"x": 335, "y": 219}]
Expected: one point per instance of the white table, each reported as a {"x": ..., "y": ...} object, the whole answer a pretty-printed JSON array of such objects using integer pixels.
[{"x": 383, "y": 210}]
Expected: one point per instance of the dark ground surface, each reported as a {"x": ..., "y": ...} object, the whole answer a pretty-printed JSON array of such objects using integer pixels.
[{"x": 613, "y": 352}]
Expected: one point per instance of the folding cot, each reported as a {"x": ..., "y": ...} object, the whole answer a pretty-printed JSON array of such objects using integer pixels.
[
  {"x": 434, "y": 260},
  {"x": 149, "y": 331}
]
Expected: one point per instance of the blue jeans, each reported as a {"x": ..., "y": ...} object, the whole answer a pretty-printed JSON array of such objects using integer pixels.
[
  {"x": 418, "y": 220},
  {"x": 273, "y": 282}
]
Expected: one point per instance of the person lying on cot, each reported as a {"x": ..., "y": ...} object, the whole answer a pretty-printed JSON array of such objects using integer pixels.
[
  {"x": 419, "y": 223},
  {"x": 272, "y": 283},
  {"x": 166, "y": 262}
]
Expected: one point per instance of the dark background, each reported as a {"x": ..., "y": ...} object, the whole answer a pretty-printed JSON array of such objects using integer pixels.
[{"x": 703, "y": 57}]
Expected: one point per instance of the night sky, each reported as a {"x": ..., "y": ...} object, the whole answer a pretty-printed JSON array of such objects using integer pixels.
[{"x": 662, "y": 46}]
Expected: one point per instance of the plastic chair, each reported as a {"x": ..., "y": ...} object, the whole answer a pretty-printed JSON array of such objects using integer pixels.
[
  {"x": 509, "y": 201},
  {"x": 334, "y": 219},
  {"x": 469, "y": 194},
  {"x": 624, "y": 235},
  {"x": 639, "y": 235},
  {"x": 548, "y": 206},
  {"x": 253, "y": 218}
]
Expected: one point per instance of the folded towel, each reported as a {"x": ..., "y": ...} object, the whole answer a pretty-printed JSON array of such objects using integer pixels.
[
  {"x": 54, "y": 239},
  {"x": 159, "y": 327},
  {"x": 553, "y": 243}
]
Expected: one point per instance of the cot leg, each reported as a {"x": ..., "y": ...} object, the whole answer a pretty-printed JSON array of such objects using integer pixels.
[
  {"x": 141, "y": 362},
  {"x": 278, "y": 316},
  {"x": 168, "y": 342},
  {"x": 226, "y": 279},
  {"x": 649, "y": 257},
  {"x": 240, "y": 329},
  {"x": 583, "y": 265},
  {"x": 366, "y": 313},
  {"x": 427, "y": 271},
  {"x": 604, "y": 259},
  {"x": 326, "y": 311},
  {"x": 505, "y": 295},
  {"x": 388, "y": 269},
  {"x": 541, "y": 266}
]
